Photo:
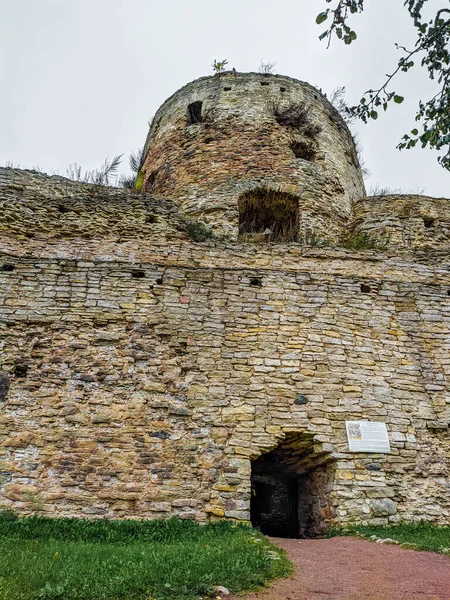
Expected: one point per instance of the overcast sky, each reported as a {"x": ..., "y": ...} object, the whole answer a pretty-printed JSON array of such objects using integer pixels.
[{"x": 81, "y": 78}]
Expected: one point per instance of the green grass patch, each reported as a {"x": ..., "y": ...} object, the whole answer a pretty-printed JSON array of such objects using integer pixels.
[
  {"x": 424, "y": 535},
  {"x": 78, "y": 559},
  {"x": 364, "y": 241}
]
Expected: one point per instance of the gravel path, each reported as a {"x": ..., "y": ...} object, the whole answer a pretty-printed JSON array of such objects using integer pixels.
[{"x": 353, "y": 569}]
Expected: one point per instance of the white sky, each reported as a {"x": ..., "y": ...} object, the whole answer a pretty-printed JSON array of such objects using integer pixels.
[{"x": 81, "y": 78}]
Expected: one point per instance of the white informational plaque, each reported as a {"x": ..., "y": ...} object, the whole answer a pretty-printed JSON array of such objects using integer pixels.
[{"x": 367, "y": 436}]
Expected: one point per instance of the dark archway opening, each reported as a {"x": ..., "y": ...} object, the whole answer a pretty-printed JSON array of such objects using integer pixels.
[
  {"x": 274, "y": 505},
  {"x": 270, "y": 215},
  {"x": 291, "y": 490}
]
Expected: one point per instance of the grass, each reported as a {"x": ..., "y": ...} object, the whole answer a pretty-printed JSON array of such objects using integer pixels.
[
  {"x": 77, "y": 559},
  {"x": 423, "y": 535},
  {"x": 364, "y": 241}
]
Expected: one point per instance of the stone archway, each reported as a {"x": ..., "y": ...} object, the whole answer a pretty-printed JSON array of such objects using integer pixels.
[{"x": 292, "y": 486}]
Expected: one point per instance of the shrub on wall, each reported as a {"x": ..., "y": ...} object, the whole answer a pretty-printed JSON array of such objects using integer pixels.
[{"x": 198, "y": 231}]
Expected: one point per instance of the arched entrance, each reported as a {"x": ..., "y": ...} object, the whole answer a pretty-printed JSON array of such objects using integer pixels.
[
  {"x": 291, "y": 493},
  {"x": 270, "y": 214}
]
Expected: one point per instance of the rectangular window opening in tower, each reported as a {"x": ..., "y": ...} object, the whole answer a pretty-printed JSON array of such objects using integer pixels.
[
  {"x": 195, "y": 112},
  {"x": 268, "y": 215}
]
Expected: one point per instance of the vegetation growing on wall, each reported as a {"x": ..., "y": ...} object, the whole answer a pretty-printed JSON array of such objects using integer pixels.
[
  {"x": 363, "y": 241},
  {"x": 218, "y": 66},
  {"x": 297, "y": 115},
  {"x": 198, "y": 231},
  {"x": 135, "y": 180},
  {"x": 102, "y": 176}
]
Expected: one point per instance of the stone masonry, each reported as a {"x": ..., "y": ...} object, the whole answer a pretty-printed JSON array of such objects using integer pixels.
[
  {"x": 239, "y": 145},
  {"x": 143, "y": 373}
]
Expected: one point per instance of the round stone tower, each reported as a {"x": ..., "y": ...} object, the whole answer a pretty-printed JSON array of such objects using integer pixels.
[{"x": 255, "y": 155}]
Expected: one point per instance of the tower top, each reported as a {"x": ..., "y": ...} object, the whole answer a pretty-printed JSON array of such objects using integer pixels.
[{"x": 254, "y": 154}]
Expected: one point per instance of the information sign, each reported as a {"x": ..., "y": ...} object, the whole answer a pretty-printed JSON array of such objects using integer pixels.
[{"x": 367, "y": 436}]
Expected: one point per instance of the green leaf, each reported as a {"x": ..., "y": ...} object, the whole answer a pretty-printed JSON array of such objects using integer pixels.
[
  {"x": 322, "y": 35},
  {"x": 323, "y": 16},
  {"x": 398, "y": 99},
  {"x": 374, "y": 114},
  {"x": 414, "y": 131}
]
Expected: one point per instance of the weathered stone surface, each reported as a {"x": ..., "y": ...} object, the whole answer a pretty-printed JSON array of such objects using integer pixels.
[
  {"x": 158, "y": 369},
  {"x": 438, "y": 425},
  {"x": 383, "y": 507},
  {"x": 404, "y": 221},
  {"x": 250, "y": 148}
]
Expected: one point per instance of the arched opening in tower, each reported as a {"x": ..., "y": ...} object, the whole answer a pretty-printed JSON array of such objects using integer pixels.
[
  {"x": 268, "y": 215},
  {"x": 291, "y": 490}
]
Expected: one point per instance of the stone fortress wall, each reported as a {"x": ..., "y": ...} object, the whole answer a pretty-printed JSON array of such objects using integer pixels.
[
  {"x": 404, "y": 221},
  {"x": 144, "y": 374}
]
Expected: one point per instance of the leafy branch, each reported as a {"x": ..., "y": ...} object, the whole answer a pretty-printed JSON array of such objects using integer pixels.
[{"x": 433, "y": 45}]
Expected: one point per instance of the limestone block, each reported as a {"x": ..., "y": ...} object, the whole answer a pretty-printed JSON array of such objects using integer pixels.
[
  {"x": 215, "y": 510},
  {"x": 241, "y": 515},
  {"x": 383, "y": 507}
]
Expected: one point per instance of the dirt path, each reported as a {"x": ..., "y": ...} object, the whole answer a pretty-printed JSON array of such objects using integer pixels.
[{"x": 353, "y": 569}]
